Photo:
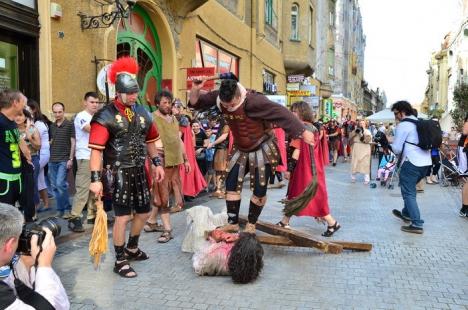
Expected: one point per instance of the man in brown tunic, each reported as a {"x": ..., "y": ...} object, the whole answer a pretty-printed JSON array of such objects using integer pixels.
[
  {"x": 249, "y": 115},
  {"x": 171, "y": 150}
]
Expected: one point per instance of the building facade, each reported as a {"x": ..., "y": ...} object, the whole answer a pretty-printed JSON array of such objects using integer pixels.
[
  {"x": 349, "y": 52},
  {"x": 447, "y": 70},
  {"x": 166, "y": 38}
]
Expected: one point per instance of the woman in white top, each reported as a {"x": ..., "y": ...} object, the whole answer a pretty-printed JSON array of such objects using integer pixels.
[{"x": 41, "y": 122}]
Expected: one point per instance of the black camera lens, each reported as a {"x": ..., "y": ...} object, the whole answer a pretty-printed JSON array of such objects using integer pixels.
[
  {"x": 52, "y": 224},
  {"x": 30, "y": 229}
]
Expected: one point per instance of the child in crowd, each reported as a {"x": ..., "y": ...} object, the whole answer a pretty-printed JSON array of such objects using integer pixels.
[{"x": 386, "y": 166}]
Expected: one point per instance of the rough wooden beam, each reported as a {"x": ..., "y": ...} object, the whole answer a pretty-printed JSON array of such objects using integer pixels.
[
  {"x": 299, "y": 238},
  {"x": 355, "y": 246},
  {"x": 275, "y": 240}
]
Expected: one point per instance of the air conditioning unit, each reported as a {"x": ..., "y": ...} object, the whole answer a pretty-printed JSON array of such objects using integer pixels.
[{"x": 55, "y": 10}]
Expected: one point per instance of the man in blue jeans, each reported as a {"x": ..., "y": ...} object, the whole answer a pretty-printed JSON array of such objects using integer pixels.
[
  {"x": 414, "y": 164},
  {"x": 62, "y": 151}
]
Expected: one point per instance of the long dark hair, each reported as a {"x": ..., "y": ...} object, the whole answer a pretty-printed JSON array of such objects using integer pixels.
[
  {"x": 37, "y": 114},
  {"x": 246, "y": 259}
]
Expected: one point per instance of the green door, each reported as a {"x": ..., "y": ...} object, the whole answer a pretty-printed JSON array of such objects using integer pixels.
[{"x": 137, "y": 37}]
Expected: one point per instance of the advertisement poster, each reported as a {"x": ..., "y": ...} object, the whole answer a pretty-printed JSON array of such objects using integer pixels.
[{"x": 199, "y": 73}]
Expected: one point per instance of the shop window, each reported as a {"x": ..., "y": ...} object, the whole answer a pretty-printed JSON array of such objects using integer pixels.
[
  {"x": 8, "y": 66},
  {"x": 295, "y": 22},
  {"x": 208, "y": 55}
]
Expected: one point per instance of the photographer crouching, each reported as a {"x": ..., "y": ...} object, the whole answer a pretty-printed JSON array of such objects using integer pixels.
[{"x": 27, "y": 280}]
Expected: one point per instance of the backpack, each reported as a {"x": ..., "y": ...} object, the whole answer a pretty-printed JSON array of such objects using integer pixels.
[{"x": 429, "y": 133}]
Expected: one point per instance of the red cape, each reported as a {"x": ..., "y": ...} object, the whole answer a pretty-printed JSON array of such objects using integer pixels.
[
  {"x": 194, "y": 182},
  {"x": 302, "y": 176},
  {"x": 280, "y": 136}
]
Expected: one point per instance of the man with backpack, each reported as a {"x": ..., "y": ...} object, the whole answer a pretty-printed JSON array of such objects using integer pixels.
[{"x": 413, "y": 140}]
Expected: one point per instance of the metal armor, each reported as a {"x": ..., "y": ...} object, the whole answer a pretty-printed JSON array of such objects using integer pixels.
[{"x": 127, "y": 140}]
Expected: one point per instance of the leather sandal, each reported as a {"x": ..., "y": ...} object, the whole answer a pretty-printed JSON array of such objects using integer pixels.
[
  {"x": 119, "y": 268},
  {"x": 331, "y": 229},
  {"x": 165, "y": 237},
  {"x": 138, "y": 255},
  {"x": 153, "y": 227}
]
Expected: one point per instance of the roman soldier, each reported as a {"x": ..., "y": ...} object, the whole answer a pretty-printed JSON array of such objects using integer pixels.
[
  {"x": 249, "y": 115},
  {"x": 123, "y": 133}
]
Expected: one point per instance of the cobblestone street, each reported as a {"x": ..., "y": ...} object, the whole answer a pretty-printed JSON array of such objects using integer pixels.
[{"x": 403, "y": 271}]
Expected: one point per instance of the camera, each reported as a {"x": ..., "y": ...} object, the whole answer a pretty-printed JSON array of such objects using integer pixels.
[
  {"x": 358, "y": 130},
  {"x": 30, "y": 229}
]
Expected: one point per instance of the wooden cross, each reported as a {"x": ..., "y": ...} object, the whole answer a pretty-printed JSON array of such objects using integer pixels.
[{"x": 290, "y": 237}]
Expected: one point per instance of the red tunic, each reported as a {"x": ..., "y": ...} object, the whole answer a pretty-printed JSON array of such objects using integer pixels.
[
  {"x": 302, "y": 176},
  {"x": 280, "y": 136},
  {"x": 194, "y": 182}
]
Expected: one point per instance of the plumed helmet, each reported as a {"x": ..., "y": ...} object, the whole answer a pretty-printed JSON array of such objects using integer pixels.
[{"x": 123, "y": 73}]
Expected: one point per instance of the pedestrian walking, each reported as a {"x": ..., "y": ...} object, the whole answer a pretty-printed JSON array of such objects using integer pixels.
[{"x": 414, "y": 165}]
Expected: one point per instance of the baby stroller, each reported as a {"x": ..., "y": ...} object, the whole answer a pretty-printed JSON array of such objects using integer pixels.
[
  {"x": 386, "y": 169},
  {"x": 449, "y": 174}
]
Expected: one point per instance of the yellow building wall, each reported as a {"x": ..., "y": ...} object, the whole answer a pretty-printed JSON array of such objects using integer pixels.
[
  {"x": 68, "y": 72},
  {"x": 73, "y": 50},
  {"x": 216, "y": 25},
  {"x": 300, "y": 52}
]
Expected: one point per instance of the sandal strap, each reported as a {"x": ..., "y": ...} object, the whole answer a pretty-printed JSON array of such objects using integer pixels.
[
  {"x": 138, "y": 255},
  {"x": 118, "y": 268}
]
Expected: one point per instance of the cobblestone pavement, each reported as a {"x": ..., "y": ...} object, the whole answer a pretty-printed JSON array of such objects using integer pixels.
[{"x": 403, "y": 271}]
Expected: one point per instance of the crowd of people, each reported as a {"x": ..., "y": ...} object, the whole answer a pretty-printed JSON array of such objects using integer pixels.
[{"x": 145, "y": 166}]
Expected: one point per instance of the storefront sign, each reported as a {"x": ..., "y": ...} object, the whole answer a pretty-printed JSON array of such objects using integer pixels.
[
  {"x": 311, "y": 88},
  {"x": 297, "y": 78},
  {"x": 299, "y": 93},
  {"x": 199, "y": 73},
  {"x": 292, "y": 86}
]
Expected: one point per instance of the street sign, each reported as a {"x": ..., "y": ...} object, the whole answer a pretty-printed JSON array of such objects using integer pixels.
[{"x": 296, "y": 78}]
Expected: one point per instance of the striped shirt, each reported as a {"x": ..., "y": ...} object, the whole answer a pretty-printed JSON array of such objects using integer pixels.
[{"x": 60, "y": 141}]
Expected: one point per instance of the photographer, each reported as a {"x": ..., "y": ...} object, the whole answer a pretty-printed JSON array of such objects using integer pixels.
[{"x": 27, "y": 282}]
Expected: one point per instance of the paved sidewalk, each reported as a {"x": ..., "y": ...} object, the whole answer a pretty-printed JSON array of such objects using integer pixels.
[{"x": 403, "y": 271}]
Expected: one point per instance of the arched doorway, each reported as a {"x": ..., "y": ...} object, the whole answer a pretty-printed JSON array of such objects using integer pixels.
[{"x": 137, "y": 37}]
